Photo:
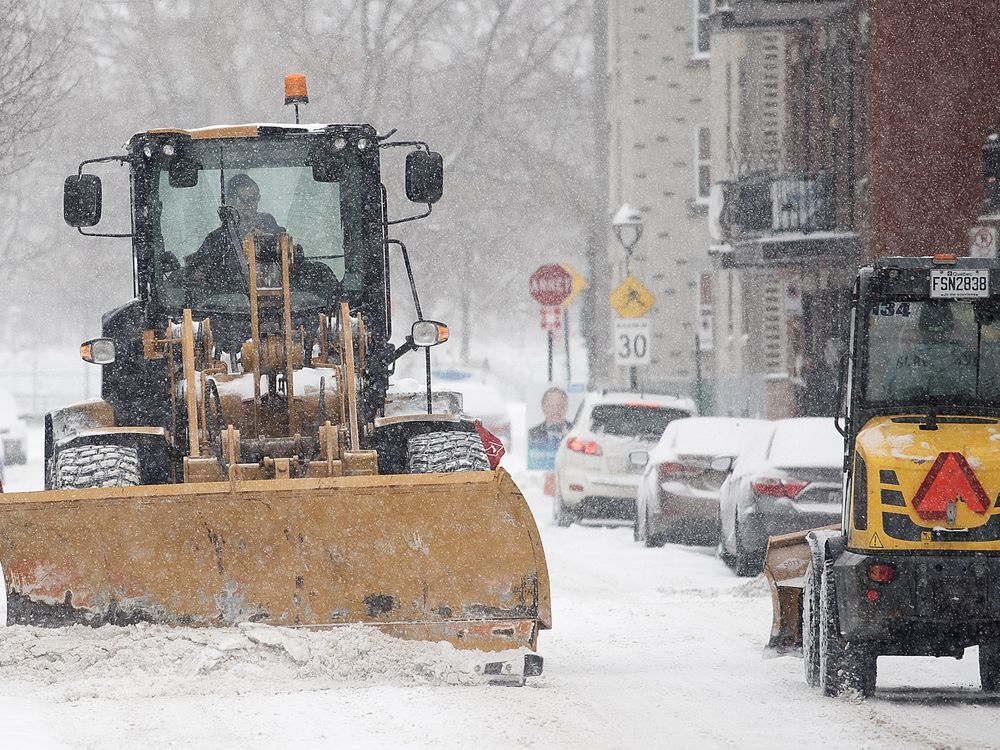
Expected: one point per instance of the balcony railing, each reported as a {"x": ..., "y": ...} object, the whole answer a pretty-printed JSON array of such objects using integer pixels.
[
  {"x": 765, "y": 203},
  {"x": 730, "y": 13}
]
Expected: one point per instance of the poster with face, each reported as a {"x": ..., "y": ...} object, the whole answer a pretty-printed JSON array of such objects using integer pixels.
[{"x": 550, "y": 411}]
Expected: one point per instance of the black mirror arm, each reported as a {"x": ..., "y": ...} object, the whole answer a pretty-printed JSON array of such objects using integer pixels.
[
  {"x": 122, "y": 159},
  {"x": 840, "y": 397},
  {"x": 404, "y": 348},
  {"x": 79, "y": 173},
  {"x": 412, "y": 218},
  {"x": 409, "y": 274}
]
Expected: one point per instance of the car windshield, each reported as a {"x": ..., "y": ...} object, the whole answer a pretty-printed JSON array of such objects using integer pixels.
[
  {"x": 268, "y": 188},
  {"x": 933, "y": 352},
  {"x": 633, "y": 419}
]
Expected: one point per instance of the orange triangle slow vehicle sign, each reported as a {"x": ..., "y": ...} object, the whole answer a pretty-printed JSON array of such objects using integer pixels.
[{"x": 950, "y": 480}]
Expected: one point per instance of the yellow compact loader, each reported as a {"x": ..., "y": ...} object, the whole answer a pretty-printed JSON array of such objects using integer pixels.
[
  {"x": 247, "y": 459},
  {"x": 914, "y": 566}
]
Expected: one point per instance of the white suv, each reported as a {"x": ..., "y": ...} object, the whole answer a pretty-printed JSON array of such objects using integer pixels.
[{"x": 594, "y": 475}]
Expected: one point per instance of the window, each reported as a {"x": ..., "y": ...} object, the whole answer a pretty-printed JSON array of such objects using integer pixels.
[
  {"x": 702, "y": 35},
  {"x": 703, "y": 164},
  {"x": 633, "y": 419}
]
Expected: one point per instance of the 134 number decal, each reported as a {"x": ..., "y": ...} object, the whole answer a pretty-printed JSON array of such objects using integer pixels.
[{"x": 888, "y": 309}]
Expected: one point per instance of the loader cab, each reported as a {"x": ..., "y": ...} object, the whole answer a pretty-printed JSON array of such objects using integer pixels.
[
  {"x": 321, "y": 186},
  {"x": 926, "y": 338}
]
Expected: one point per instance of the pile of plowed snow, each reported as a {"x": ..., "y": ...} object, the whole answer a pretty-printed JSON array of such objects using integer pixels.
[{"x": 152, "y": 660}]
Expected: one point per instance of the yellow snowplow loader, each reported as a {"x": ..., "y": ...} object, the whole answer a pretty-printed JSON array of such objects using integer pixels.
[
  {"x": 912, "y": 569},
  {"x": 248, "y": 459}
]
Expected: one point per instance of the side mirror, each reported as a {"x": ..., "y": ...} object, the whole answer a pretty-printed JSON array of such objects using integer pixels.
[
  {"x": 424, "y": 176},
  {"x": 638, "y": 459},
  {"x": 98, "y": 351},
  {"x": 428, "y": 333},
  {"x": 82, "y": 200},
  {"x": 183, "y": 173},
  {"x": 723, "y": 464}
]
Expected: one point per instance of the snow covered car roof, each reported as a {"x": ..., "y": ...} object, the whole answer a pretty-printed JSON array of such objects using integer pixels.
[
  {"x": 708, "y": 436},
  {"x": 806, "y": 442}
]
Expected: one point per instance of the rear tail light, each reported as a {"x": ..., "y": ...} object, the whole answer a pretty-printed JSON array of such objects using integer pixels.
[
  {"x": 587, "y": 447},
  {"x": 668, "y": 470},
  {"x": 778, "y": 487},
  {"x": 881, "y": 573}
]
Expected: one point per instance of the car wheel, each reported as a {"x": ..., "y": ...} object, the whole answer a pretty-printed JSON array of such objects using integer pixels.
[
  {"x": 560, "y": 513},
  {"x": 724, "y": 554},
  {"x": 648, "y": 538},
  {"x": 635, "y": 524},
  {"x": 747, "y": 563}
]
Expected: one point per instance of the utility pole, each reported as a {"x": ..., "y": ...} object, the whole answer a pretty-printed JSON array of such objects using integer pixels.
[{"x": 595, "y": 320}]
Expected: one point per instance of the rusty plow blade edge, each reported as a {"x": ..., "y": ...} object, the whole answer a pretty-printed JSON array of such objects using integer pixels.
[
  {"x": 785, "y": 565},
  {"x": 452, "y": 557}
]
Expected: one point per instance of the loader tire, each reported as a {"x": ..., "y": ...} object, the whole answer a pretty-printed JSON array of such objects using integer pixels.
[
  {"x": 843, "y": 665},
  {"x": 97, "y": 466},
  {"x": 446, "y": 452},
  {"x": 811, "y": 620},
  {"x": 989, "y": 666}
]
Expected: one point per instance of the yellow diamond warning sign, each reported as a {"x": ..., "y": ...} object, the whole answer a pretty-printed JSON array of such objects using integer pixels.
[
  {"x": 579, "y": 284},
  {"x": 631, "y": 299}
]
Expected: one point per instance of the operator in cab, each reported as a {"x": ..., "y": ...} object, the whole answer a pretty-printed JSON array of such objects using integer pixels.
[
  {"x": 938, "y": 365},
  {"x": 217, "y": 264}
]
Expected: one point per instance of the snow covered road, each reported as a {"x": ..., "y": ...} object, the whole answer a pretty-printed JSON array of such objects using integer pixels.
[{"x": 650, "y": 648}]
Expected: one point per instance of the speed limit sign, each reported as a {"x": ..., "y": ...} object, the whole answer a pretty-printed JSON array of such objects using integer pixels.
[{"x": 632, "y": 341}]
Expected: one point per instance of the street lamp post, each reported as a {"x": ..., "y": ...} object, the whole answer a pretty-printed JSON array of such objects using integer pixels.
[{"x": 627, "y": 223}]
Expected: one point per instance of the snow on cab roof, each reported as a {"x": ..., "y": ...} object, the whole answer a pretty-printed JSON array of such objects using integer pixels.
[{"x": 248, "y": 130}]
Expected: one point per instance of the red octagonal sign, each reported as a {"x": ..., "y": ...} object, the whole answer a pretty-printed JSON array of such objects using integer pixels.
[{"x": 550, "y": 285}]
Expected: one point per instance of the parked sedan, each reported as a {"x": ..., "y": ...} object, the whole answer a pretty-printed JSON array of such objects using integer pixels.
[
  {"x": 594, "y": 476},
  {"x": 789, "y": 481},
  {"x": 678, "y": 498}
]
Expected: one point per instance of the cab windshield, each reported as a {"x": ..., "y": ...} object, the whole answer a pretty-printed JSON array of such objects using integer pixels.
[
  {"x": 261, "y": 187},
  {"x": 933, "y": 352}
]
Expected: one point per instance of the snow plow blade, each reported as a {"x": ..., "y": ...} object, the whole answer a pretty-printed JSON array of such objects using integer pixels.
[
  {"x": 785, "y": 566},
  {"x": 453, "y": 557}
]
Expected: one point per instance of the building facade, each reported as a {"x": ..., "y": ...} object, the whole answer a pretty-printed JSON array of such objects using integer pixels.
[
  {"x": 660, "y": 158},
  {"x": 772, "y": 146}
]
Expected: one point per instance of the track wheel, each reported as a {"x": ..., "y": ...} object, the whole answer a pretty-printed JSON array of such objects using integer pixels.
[
  {"x": 446, "y": 452},
  {"x": 843, "y": 665},
  {"x": 97, "y": 466},
  {"x": 989, "y": 665}
]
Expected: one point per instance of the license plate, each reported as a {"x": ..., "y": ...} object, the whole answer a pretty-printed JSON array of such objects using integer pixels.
[{"x": 959, "y": 283}]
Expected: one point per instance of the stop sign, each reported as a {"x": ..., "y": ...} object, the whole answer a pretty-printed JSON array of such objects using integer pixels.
[{"x": 550, "y": 285}]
